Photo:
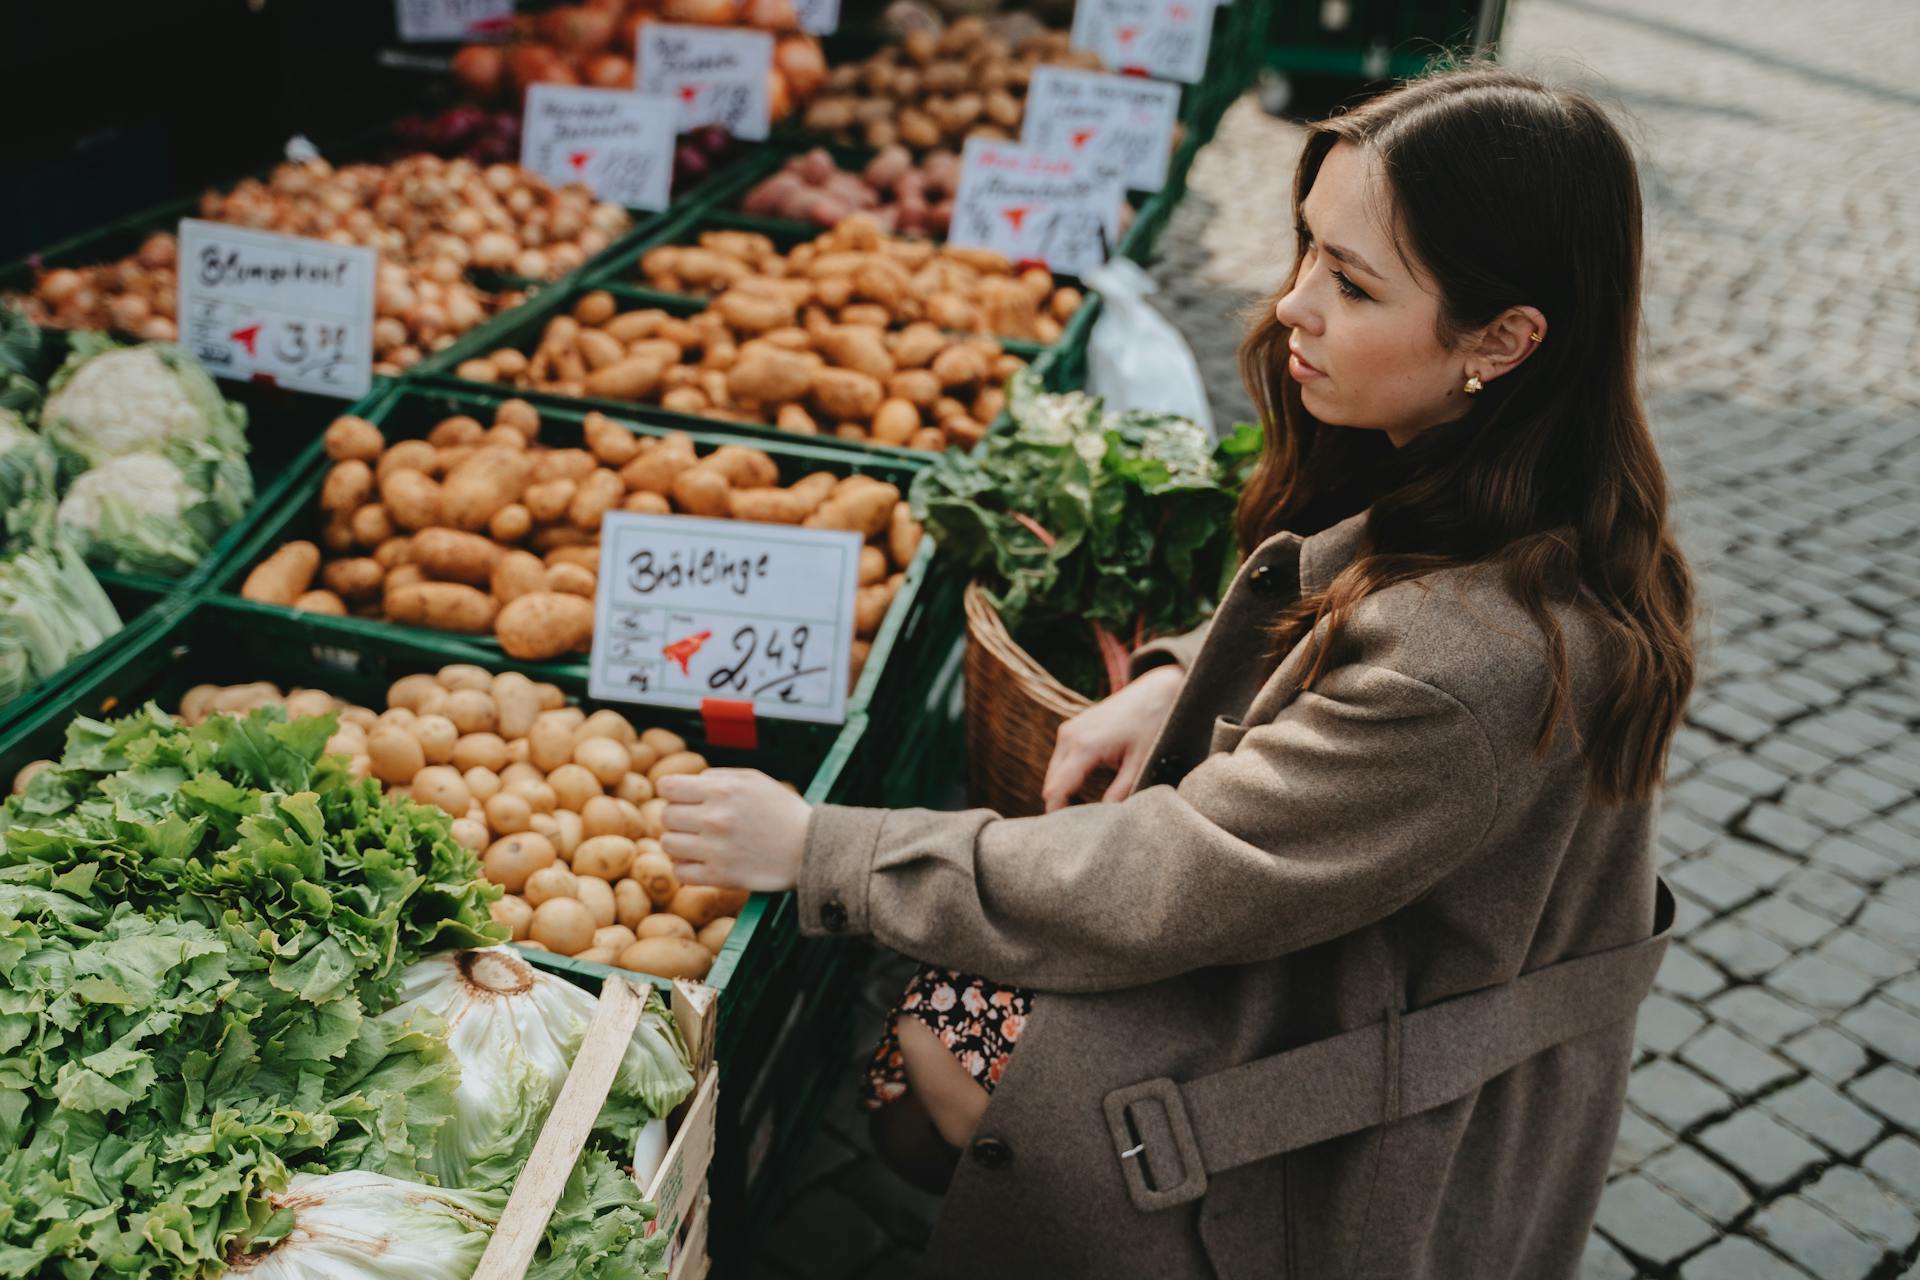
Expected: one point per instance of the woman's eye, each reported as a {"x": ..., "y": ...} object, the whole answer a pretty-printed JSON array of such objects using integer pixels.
[{"x": 1348, "y": 287}]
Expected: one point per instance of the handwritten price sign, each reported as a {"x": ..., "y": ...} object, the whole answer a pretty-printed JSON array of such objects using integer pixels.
[
  {"x": 1165, "y": 38},
  {"x": 452, "y": 19},
  {"x": 1121, "y": 125},
  {"x": 818, "y": 17},
  {"x": 691, "y": 610},
  {"x": 618, "y": 143},
  {"x": 282, "y": 309},
  {"x": 1035, "y": 205},
  {"x": 716, "y": 75}
]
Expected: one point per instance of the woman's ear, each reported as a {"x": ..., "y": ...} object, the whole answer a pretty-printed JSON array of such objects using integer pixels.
[{"x": 1509, "y": 340}]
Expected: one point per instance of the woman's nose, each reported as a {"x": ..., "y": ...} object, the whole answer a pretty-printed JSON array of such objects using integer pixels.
[{"x": 1293, "y": 312}]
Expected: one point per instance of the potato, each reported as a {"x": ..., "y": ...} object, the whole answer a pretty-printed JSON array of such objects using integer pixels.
[
  {"x": 436, "y": 735},
  {"x": 630, "y": 902},
  {"x": 483, "y": 784},
  {"x": 610, "y": 442},
  {"x": 873, "y": 565},
  {"x": 370, "y": 525},
  {"x": 540, "y": 797},
  {"x": 394, "y": 552},
  {"x": 596, "y": 896},
  {"x": 444, "y": 606},
  {"x": 641, "y": 755},
  {"x": 545, "y": 624},
  {"x": 602, "y": 815},
  {"x": 632, "y": 378},
  {"x": 634, "y": 789},
  {"x": 697, "y": 904},
  {"x": 895, "y": 422},
  {"x": 510, "y": 523},
  {"x": 678, "y": 762},
  {"x": 713, "y": 935},
  {"x": 667, "y": 957},
  {"x": 571, "y": 579},
  {"x": 548, "y": 501},
  {"x": 545, "y": 824},
  {"x": 411, "y": 497},
  {"x": 702, "y": 491},
  {"x": 351, "y": 439},
  {"x": 515, "y": 913},
  {"x": 573, "y": 785},
  {"x": 861, "y": 349},
  {"x": 471, "y": 710},
  {"x": 284, "y": 576},
  {"x": 861, "y": 504},
  {"x": 453, "y": 556},
  {"x": 754, "y": 312},
  {"x": 516, "y": 574},
  {"x": 442, "y": 785},
  {"x": 664, "y": 925},
  {"x": 767, "y": 374},
  {"x": 604, "y": 758},
  {"x": 598, "y": 494},
  {"x": 551, "y": 737},
  {"x": 613, "y": 937},
  {"x": 348, "y": 486},
  {"x": 516, "y": 703},
  {"x": 563, "y": 925},
  {"x": 609, "y": 857},
  {"x": 654, "y": 870},
  {"x": 549, "y": 883},
  {"x": 845, "y": 394},
  {"x": 395, "y": 756},
  {"x": 321, "y": 602},
  {"x": 508, "y": 812},
  {"x": 407, "y": 455}
]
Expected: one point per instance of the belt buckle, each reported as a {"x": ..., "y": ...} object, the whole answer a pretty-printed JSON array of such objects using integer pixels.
[{"x": 1155, "y": 1111}]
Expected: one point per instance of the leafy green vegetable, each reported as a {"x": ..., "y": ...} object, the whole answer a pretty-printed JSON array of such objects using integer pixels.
[
  {"x": 601, "y": 1227},
  {"x": 197, "y": 926},
  {"x": 361, "y": 1226},
  {"x": 52, "y": 610},
  {"x": 1077, "y": 517}
]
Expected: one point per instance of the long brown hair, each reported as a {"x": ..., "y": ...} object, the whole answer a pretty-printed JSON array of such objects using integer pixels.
[{"x": 1506, "y": 193}]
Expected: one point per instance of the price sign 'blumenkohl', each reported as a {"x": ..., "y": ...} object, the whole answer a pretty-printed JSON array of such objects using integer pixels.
[
  {"x": 1121, "y": 125},
  {"x": 281, "y": 309},
  {"x": 1035, "y": 206},
  {"x": 1164, "y": 38},
  {"x": 619, "y": 144},
  {"x": 692, "y": 610},
  {"x": 452, "y": 19},
  {"x": 717, "y": 75}
]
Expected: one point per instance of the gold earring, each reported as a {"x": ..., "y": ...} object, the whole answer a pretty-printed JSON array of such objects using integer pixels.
[
  {"x": 1533, "y": 337},
  {"x": 1473, "y": 384}
]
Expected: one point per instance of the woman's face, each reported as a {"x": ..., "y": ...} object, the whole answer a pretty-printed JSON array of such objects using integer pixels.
[{"x": 1364, "y": 344}]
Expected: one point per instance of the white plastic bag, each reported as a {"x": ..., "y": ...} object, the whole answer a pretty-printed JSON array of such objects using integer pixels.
[{"x": 1136, "y": 359}]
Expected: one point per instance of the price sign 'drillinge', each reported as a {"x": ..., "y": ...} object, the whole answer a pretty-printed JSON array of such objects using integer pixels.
[
  {"x": 451, "y": 19},
  {"x": 1035, "y": 206},
  {"x": 718, "y": 75},
  {"x": 281, "y": 309},
  {"x": 1119, "y": 124},
  {"x": 620, "y": 144},
  {"x": 1164, "y": 38},
  {"x": 693, "y": 610}
]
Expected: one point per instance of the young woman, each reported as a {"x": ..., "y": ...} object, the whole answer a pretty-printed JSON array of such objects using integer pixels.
[{"x": 1341, "y": 982}]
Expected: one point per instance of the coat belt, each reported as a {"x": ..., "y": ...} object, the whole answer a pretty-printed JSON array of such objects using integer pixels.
[{"x": 1169, "y": 1136}]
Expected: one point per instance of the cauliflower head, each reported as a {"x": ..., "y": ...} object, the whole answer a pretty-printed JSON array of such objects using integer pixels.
[
  {"x": 109, "y": 403},
  {"x": 144, "y": 483}
]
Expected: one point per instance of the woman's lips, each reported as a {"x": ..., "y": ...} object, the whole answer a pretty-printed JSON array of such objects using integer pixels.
[{"x": 1300, "y": 369}]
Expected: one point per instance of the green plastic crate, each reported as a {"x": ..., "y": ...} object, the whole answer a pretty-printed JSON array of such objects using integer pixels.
[{"x": 1376, "y": 39}]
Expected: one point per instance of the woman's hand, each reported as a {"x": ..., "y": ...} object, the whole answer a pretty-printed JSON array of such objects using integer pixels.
[
  {"x": 1118, "y": 731},
  {"x": 736, "y": 828}
]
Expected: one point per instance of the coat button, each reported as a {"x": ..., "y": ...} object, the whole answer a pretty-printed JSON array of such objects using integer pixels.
[
  {"x": 833, "y": 915},
  {"x": 991, "y": 1153},
  {"x": 1263, "y": 579},
  {"x": 1169, "y": 764}
]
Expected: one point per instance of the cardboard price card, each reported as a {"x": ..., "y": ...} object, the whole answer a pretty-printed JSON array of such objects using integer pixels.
[
  {"x": 1121, "y": 125},
  {"x": 691, "y": 611},
  {"x": 620, "y": 144},
  {"x": 1036, "y": 206},
  {"x": 717, "y": 75},
  {"x": 1164, "y": 38},
  {"x": 818, "y": 17},
  {"x": 452, "y": 19},
  {"x": 280, "y": 309}
]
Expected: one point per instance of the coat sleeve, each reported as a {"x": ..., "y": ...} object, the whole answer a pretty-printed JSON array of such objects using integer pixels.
[
  {"x": 1357, "y": 799},
  {"x": 1180, "y": 650}
]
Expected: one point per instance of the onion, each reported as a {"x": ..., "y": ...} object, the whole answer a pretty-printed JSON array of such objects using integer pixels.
[
  {"x": 532, "y": 264},
  {"x": 59, "y": 286}
]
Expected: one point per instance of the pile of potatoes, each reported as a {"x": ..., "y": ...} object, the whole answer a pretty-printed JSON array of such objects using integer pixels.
[
  {"x": 477, "y": 529},
  {"x": 559, "y": 805},
  {"x": 937, "y": 89}
]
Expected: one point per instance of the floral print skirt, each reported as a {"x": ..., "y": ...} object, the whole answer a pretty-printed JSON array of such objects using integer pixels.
[{"x": 977, "y": 1020}]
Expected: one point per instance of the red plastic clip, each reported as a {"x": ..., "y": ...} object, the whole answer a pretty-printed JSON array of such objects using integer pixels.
[
  {"x": 1139, "y": 73},
  {"x": 730, "y": 723},
  {"x": 265, "y": 379},
  {"x": 1028, "y": 264}
]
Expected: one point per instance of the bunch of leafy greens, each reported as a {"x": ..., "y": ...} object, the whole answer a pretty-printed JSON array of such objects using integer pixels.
[
  {"x": 1091, "y": 532},
  {"x": 197, "y": 927}
]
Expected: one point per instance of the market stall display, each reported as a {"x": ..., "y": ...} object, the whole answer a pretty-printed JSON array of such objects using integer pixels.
[
  {"x": 905, "y": 196},
  {"x": 484, "y": 530}
]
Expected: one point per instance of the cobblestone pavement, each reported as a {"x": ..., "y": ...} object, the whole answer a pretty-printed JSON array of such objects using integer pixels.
[{"x": 1773, "y": 1112}]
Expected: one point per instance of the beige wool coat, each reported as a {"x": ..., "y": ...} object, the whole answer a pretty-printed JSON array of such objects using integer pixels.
[{"x": 1279, "y": 1032}]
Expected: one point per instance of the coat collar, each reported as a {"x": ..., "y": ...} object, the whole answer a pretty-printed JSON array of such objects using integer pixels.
[{"x": 1322, "y": 556}]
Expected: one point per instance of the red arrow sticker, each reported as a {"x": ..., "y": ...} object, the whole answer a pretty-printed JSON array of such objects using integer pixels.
[
  {"x": 688, "y": 92},
  {"x": 1179, "y": 12},
  {"x": 247, "y": 337},
  {"x": 1016, "y": 216},
  {"x": 1080, "y": 137},
  {"x": 682, "y": 651},
  {"x": 490, "y": 26},
  {"x": 1125, "y": 35},
  {"x": 579, "y": 159}
]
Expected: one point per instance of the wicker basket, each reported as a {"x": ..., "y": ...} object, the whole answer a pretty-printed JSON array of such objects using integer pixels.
[{"x": 1014, "y": 710}]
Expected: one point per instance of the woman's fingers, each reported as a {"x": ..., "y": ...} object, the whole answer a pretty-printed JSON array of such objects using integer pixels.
[
  {"x": 682, "y": 845},
  {"x": 682, "y": 817},
  {"x": 695, "y": 873},
  {"x": 684, "y": 788},
  {"x": 1065, "y": 772}
]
